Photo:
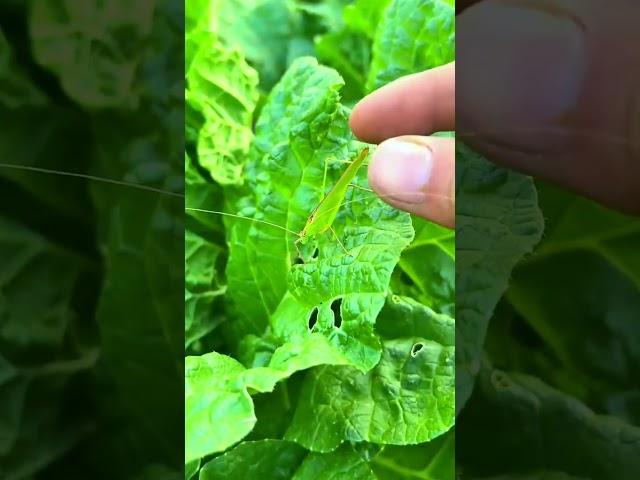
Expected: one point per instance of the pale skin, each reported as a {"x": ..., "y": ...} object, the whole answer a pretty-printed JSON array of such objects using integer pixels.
[
  {"x": 412, "y": 106},
  {"x": 583, "y": 136}
]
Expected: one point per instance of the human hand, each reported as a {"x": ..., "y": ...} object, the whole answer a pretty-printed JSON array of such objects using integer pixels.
[
  {"x": 553, "y": 89},
  {"x": 409, "y": 170}
]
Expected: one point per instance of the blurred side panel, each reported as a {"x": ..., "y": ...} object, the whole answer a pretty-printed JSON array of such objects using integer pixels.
[
  {"x": 91, "y": 239},
  {"x": 548, "y": 240}
]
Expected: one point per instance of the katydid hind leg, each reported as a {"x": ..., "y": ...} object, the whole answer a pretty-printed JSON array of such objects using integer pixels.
[
  {"x": 353, "y": 185},
  {"x": 335, "y": 235}
]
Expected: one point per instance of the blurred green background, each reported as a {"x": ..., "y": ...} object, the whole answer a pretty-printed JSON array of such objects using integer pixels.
[{"x": 91, "y": 316}]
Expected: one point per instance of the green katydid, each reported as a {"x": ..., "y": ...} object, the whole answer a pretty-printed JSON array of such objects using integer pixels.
[{"x": 321, "y": 218}]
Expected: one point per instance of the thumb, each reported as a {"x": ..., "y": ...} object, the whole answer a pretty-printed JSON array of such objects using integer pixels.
[
  {"x": 552, "y": 89},
  {"x": 417, "y": 174}
]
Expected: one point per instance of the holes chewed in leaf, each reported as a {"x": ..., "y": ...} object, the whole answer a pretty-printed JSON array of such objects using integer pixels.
[
  {"x": 337, "y": 316},
  {"x": 416, "y": 348},
  {"x": 313, "y": 319}
]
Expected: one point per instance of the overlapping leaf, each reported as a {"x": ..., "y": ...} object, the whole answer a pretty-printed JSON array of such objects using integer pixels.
[
  {"x": 270, "y": 33},
  {"x": 497, "y": 222},
  {"x": 37, "y": 316},
  {"x": 407, "y": 398},
  {"x": 202, "y": 287},
  {"x": 97, "y": 67},
  {"x": 431, "y": 460},
  {"x": 537, "y": 475},
  {"x": 531, "y": 426},
  {"x": 282, "y": 460},
  {"x": 223, "y": 89},
  {"x": 347, "y": 46},
  {"x": 587, "y": 272},
  {"x": 426, "y": 270},
  {"x": 16, "y": 88},
  {"x": 415, "y": 35}
]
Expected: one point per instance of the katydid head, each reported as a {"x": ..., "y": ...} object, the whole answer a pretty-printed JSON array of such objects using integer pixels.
[{"x": 303, "y": 238}]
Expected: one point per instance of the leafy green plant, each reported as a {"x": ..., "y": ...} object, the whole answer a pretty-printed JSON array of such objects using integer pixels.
[
  {"x": 334, "y": 365},
  {"x": 557, "y": 366}
]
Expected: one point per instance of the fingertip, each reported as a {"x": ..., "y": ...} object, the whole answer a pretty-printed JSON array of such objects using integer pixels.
[
  {"x": 417, "y": 175},
  {"x": 417, "y": 104},
  {"x": 358, "y": 127}
]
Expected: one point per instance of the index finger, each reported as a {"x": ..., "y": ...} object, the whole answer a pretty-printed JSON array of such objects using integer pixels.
[{"x": 417, "y": 104}]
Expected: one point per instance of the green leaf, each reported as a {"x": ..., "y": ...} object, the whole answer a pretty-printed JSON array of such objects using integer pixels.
[
  {"x": 220, "y": 411},
  {"x": 347, "y": 46},
  {"x": 34, "y": 314},
  {"x": 575, "y": 223},
  {"x": 414, "y": 35},
  {"x": 282, "y": 460},
  {"x": 202, "y": 287},
  {"x": 261, "y": 29},
  {"x": 346, "y": 291},
  {"x": 223, "y": 89},
  {"x": 427, "y": 461},
  {"x": 497, "y": 223},
  {"x": 113, "y": 110},
  {"x": 218, "y": 408},
  {"x": 405, "y": 317},
  {"x": 322, "y": 16},
  {"x": 365, "y": 16},
  {"x": 343, "y": 464},
  {"x": 539, "y": 475},
  {"x": 219, "y": 414},
  {"x": 140, "y": 312},
  {"x": 16, "y": 88},
  {"x": 585, "y": 272},
  {"x": 203, "y": 194},
  {"x": 426, "y": 270},
  {"x": 191, "y": 469},
  {"x": 380, "y": 366},
  {"x": 598, "y": 306},
  {"x": 143, "y": 238},
  {"x": 38, "y": 365},
  {"x": 97, "y": 67},
  {"x": 350, "y": 54},
  {"x": 272, "y": 459},
  {"x": 374, "y": 233},
  {"x": 552, "y": 431},
  {"x": 407, "y": 398}
]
